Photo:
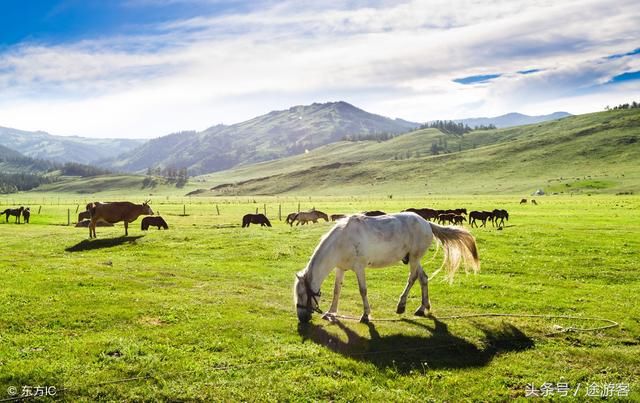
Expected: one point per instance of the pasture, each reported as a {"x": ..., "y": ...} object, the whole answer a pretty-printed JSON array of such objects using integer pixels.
[{"x": 204, "y": 311}]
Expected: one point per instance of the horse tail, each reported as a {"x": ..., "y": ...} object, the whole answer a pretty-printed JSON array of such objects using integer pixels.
[{"x": 459, "y": 246}]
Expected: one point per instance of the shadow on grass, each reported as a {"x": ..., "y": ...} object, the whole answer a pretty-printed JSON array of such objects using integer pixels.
[
  {"x": 102, "y": 243},
  {"x": 437, "y": 349}
]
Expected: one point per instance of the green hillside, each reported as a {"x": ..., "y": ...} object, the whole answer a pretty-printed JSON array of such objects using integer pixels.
[
  {"x": 597, "y": 152},
  {"x": 267, "y": 137}
]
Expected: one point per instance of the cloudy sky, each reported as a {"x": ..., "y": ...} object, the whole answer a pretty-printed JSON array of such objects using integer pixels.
[{"x": 145, "y": 68}]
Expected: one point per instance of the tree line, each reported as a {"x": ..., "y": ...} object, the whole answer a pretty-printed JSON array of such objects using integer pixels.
[
  {"x": 632, "y": 105},
  {"x": 172, "y": 174}
]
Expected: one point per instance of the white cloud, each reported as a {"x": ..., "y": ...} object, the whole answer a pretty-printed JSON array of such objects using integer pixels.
[{"x": 397, "y": 59}]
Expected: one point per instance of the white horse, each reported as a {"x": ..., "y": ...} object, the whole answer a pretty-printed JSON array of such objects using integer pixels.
[{"x": 359, "y": 241}]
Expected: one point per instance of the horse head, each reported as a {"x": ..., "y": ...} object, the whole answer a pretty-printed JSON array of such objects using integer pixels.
[{"x": 305, "y": 298}]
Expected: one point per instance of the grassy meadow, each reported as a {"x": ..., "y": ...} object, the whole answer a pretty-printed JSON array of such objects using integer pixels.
[{"x": 204, "y": 310}]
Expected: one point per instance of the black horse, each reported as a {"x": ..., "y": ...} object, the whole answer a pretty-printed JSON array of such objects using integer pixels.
[
  {"x": 13, "y": 212},
  {"x": 26, "y": 214},
  {"x": 255, "y": 219},
  {"x": 154, "y": 221},
  {"x": 499, "y": 216},
  {"x": 374, "y": 213}
]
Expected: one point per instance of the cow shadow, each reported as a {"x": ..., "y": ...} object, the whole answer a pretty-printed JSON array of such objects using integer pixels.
[
  {"x": 88, "y": 244},
  {"x": 436, "y": 349}
]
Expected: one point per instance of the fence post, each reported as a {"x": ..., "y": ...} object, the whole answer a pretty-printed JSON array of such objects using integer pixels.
[
  {"x": 256, "y": 210},
  {"x": 298, "y": 207},
  {"x": 39, "y": 208},
  {"x": 68, "y": 216},
  {"x": 264, "y": 206},
  {"x": 217, "y": 209},
  {"x": 279, "y": 212},
  {"x": 184, "y": 210}
]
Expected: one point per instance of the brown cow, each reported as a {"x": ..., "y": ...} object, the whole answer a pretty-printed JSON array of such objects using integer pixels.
[{"x": 114, "y": 212}]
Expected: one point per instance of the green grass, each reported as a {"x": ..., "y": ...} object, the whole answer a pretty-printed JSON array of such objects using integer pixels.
[{"x": 204, "y": 310}]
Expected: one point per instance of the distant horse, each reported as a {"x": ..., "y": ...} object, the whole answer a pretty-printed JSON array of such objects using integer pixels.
[
  {"x": 426, "y": 213},
  {"x": 153, "y": 221},
  {"x": 13, "y": 212},
  {"x": 458, "y": 219},
  {"x": 374, "y": 213},
  {"x": 335, "y": 217},
  {"x": 500, "y": 216},
  {"x": 26, "y": 215},
  {"x": 290, "y": 218},
  {"x": 533, "y": 201},
  {"x": 360, "y": 242},
  {"x": 481, "y": 216},
  {"x": 523, "y": 201},
  {"x": 255, "y": 219},
  {"x": 304, "y": 217},
  {"x": 444, "y": 218}
]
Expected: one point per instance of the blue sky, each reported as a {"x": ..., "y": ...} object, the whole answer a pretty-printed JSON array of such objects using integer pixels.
[{"x": 145, "y": 68}]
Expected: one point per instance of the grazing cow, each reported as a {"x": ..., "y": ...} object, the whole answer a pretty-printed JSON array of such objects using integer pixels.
[
  {"x": 304, "y": 217},
  {"x": 480, "y": 215},
  {"x": 374, "y": 213},
  {"x": 426, "y": 213},
  {"x": 17, "y": 212},
  {"x": 255, "y": 219},
  {"x": 335, "y": 217},
  {"x": 84, "y": 215},
  {"x": 533, "y": 201},
  {"x": 500, "y": 215},
  {"x": 114, "y": 212},
  {"x": 26, "y": 215},
  {"x": 523, "y": 201},
  {"x": 86, "y": 223},
  {"x": 155, "y": 221}
]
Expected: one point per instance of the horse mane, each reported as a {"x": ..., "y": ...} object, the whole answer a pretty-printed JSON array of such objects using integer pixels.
[{"x": 327, "y": 242}]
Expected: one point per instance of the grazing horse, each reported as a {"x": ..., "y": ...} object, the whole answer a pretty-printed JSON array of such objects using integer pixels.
[
  {"x": 17, "y": 212},
  {"x": 426, "y": 213},
  {"x": 155, "y": 221},
  {"x": 304, "y": 217},
  {"x": 335, "y": 217},
  {"x": 500, "y": 215},
  {"x": 255, "y": 219},
  {"x": 361, "y": 241},
  {"x": 114, "y": 212},
  {"x": 290, "y": 218},
  {"x": 374, "y": 213},
  {"x": 26, "y": 215},
  {"x": 523, "y": 201},
  {"x": 533, "y": 201},
  {"x": 480, "y": 215}
]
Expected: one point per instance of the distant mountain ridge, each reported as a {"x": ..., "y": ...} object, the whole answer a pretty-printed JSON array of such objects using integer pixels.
[
  {"x": 42, "y": 145},
  {"x": 512, "y": 119},
  {"x": 274, "y": 135}
]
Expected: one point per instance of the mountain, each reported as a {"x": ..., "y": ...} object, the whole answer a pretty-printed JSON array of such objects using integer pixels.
[
  {"x": 274, "y": 135},
  {"x": 512, "y": 119},
  {"x": 42, "y": 145},
  {"x": 596, "y": 152}
]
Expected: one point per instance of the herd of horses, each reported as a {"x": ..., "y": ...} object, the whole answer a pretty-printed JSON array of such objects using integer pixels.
[
  {"x": 457, "y": 216},
  {"x": 19, "y": 212}
]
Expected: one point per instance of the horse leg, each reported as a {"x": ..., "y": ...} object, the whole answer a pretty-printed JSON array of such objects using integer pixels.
[
  {"x": 424, "y": 284},
  {"x": 336, "y": 295},
  {"x": 402, "y": 303},
  {"x": 362, "y": 285},
  {"x": 126, "y": 228}
]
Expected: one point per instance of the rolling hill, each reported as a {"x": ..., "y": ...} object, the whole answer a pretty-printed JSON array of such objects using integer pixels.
[
  {"x": 267, "y": 137},
  {"x": 42, "y": 145},
  {"x": 596, "y": 152},
  {"x": 512, "y": 119}
]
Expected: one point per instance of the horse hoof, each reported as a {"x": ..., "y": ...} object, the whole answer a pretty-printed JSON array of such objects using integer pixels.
[
  {"x": 420, "y": 312},
  {"x": 364, "y": 319},
  {"x": 400, "y": 309},
  {"x": 331, "y": 317}
]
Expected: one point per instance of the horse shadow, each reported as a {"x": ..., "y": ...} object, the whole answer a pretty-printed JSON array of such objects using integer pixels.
[
  {"x": 102, "y": 243},
  {"x": 438, "y": 349}
]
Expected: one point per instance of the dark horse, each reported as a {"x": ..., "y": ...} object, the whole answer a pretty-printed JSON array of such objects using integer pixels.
[
  {"x": 154, "y": 221},
  {"x": 374, "y": 213},
  {"x": 499, "y": 216},
  {"x": 481, "y": 216},
  {"x": 17, "y": 212},
  {"x": 26, "y": 214},
  {"x": 255, "y": 219}
]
